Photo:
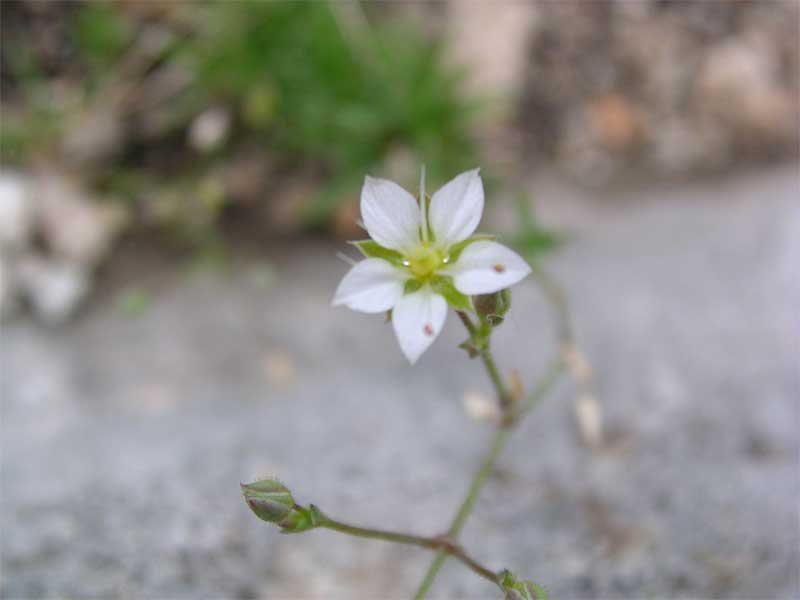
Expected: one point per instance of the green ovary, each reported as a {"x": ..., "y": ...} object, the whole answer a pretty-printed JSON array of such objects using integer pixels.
[{"x": 424, "y": 261}]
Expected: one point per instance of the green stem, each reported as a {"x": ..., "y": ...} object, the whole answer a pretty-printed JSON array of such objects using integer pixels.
[
  {"x": 499, "y": 385},
  {"x": 488, "y": 361},
  {"x": 443, "y": 545},
  {"x": 379, "y": 534},
  {"x": 499, "y": 441}
]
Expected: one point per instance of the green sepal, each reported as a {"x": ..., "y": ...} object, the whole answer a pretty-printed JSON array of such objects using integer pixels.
[
  {"x": 302, "y": 519},
  {"x": 456, "y": 249},
  {"x": 444, "y": 287},
  {"x": 372, "y": 249},
  {"x": 411, "y": 286}
]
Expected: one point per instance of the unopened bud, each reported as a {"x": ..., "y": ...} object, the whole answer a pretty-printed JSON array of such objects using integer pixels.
[
  {"x": 493, "y": 307},
  {"x": 272, "y": 501}
]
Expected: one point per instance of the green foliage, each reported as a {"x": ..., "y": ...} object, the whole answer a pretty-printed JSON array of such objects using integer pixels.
[
  {"x": 324, "y": 93},
  {"x": 343, "y": 98},
  {"x": 24, "y": 132},
  {"x": 101, "y": 34},
  {"x": 21, "y": 135}
]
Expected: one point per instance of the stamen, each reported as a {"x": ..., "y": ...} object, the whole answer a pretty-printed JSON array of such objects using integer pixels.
[
  {"x": 428, "y": 330},
  {"x": 498, "y": 268}
]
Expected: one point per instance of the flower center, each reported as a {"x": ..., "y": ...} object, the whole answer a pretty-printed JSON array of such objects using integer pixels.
[{"x": 423, "y": 261}]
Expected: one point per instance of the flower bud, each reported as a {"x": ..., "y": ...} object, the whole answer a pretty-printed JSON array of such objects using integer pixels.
[
  {"x": 271, "y": 501},
  {"x": 493, "y": 307}
]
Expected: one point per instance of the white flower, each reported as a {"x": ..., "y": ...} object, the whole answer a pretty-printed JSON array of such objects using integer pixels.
[{"x": 421, "y": 259}]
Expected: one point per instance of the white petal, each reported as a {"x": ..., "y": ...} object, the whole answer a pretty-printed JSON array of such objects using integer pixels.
[
  {"x": 485, "y": 267},
  {"x": 417, "y": 319},
  {"x": 372, "y": 286},
  {"x": 391, "y": 215},
  {"x": 456, "y": 209}
]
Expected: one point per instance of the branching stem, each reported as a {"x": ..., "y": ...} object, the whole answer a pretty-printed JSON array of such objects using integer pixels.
[
  {"x": 499, "y": 441},
  {"x": 444, "y": 545},
  {"x": 512, "y": 411}
]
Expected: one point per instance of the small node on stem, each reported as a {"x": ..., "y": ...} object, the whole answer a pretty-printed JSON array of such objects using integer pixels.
[{"x": 520, "y": 590}]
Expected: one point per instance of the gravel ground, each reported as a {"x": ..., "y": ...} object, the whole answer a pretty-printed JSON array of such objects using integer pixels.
[{"x": 125, "y": 433}]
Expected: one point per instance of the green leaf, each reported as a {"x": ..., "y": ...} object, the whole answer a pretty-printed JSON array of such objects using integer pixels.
[
  {"x": 372, "y": 249},
  {"x": 445, "y": 287},
  {"x": 456, "y": 249}
]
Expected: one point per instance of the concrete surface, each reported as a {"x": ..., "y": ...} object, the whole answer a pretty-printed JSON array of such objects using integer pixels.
[{"x": 124, "y": 436}]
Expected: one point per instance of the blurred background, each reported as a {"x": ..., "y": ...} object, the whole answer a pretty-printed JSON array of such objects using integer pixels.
[{"x": 175, "y": 180}]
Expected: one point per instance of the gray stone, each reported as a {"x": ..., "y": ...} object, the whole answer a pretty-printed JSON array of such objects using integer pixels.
[
  {"x": 125, "y": 438},
  {"x": 16, "y": 216},
  {"x": 75, "y": 226},
  {"x": 54, "y": 288}
]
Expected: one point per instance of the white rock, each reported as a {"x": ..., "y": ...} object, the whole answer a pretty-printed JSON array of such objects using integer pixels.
[
  {"x": 210, "y": 129},
  {"x": 55, "y": 288},
  {"x": 15, "y": 210},
  {"x": 74, "y": 226}
]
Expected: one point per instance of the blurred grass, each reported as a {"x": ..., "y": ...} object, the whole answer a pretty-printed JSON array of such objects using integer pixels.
[
  {"x": 343, "y": 96},
  {"x": 324, "y": 93}
]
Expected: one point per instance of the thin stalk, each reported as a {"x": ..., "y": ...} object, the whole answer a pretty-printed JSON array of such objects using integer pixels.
[
  {"x": 379, "y": 534},
  {"x": 443, "y": 545},
  {"x": 511, "y": 414},
  {"x": 494, "y": 374},
  {"x": 499, "y": 441},
  {"x": 488, "y": 361}
]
